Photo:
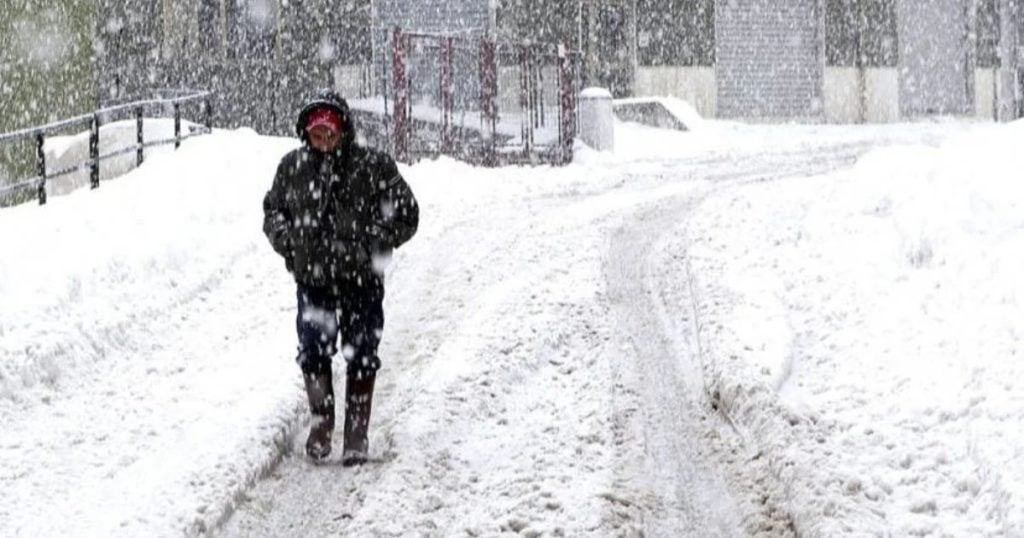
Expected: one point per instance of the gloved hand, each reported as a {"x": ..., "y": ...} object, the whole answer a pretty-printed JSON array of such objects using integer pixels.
[
  {"x": 279, "y": 232},
  {"x": 349, "y": 252},
  {"x": 288, "y": 245},
  {"x": 380, "y": 237}
]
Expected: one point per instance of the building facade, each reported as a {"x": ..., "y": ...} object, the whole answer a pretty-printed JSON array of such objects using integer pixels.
[
  {"x": 761, "y": 60},
  {"x": 835, "y": 60},
  {"x": 813, "y": 60}
]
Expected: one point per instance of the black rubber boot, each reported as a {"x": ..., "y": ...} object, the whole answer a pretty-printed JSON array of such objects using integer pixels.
[
  {"x": 320, "y": 391},
  {"x": 358, "y": 400}
]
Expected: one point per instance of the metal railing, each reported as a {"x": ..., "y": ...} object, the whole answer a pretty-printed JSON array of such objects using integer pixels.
[
  {"x": 520, "y": 99},
  {"x": 95, "y": 120}
]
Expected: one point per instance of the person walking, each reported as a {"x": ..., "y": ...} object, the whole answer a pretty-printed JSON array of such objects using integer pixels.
[{"x": 335, "y": 212}]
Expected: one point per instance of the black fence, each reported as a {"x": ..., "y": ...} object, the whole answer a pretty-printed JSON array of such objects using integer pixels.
[{"x": 171, "y": 103}]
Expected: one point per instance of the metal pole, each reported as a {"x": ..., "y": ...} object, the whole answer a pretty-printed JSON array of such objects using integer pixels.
[
  {"x": 410, "y": 124},
  {"x": 542, "y": 60},
  {"x": 208, "y": 113},
  {"x": 41, "y": 163},
  {"x": 401, "y": 89},
  {"x": 568, "y": 106},
  {"x": 177, "y": 125},
  {"x": 384, "y": 91},
  {"x": 488, "y": 93},
  {"x": 94, "y": 152},
  {"x": 579, "y": 24},
  {"x": 536, "y": 65},
  {"x": 446, "y": 86},
  {"x": 524, "y": 100},
  {"x": 138, "y": 136},
  {"x": 366, "y": 72}
]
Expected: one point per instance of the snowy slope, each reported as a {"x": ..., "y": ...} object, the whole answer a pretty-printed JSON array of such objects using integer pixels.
[
  {"x": 134, "y": 390},
  {"x": 65, "y": 152},
  {"x": 558, "y": 342},
  {"x": 881, "y": 308}
]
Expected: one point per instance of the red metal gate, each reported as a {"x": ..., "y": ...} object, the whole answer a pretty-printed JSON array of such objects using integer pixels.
[{"x": 482, "y": 101}]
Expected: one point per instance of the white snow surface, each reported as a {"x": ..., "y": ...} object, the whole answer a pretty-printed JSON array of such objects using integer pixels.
[
  {"x": 72, "y": 151},
  {"x": 595, "y": 93},
  {"x": 747, "y": 330},
  {"x": 681, "y": 109}
]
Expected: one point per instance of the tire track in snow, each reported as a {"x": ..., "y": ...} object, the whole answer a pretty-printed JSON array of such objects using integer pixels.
[
  {"x": 284, "y": 503},
  {"x": 729, "y": 480},
  {"x": 479, "y": 394},
  {"x": 476, "y": 436},
  {"x": 438, "y": 306},
  {"x": 662, "y": 427}
]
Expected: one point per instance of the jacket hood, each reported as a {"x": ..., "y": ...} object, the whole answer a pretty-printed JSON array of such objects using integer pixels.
[{"x": 333, "y": 101}]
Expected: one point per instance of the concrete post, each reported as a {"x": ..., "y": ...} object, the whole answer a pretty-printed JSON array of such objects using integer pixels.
[{"x": 597, "y": 119}]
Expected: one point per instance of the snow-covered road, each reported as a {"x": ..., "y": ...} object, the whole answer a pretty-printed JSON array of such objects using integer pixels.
[
  {"x": 585, "y": 413},
  {"x": 667, "y": 341}
]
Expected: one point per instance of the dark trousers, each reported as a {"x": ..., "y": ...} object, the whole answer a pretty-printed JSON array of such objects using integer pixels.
[{"x": 353, "y": 310}]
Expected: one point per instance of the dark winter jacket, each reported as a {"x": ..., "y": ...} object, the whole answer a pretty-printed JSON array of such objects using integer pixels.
[{"x": 331, "y": 214}]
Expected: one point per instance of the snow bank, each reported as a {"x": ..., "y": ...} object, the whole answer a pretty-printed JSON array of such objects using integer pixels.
[
  {"x": 863, "y": 329},
  {"x": 131, "y": 405},
  {"x": 52, "y": 261},
  {"x": 63, "y": 152},
  {"x": 944, "y": 202},
  {"x": 650, "y": 111},
  {"x": 146, "y": 377}
]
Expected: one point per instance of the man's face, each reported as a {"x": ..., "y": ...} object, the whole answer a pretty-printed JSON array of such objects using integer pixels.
[{"x": 323, "y": 138}]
